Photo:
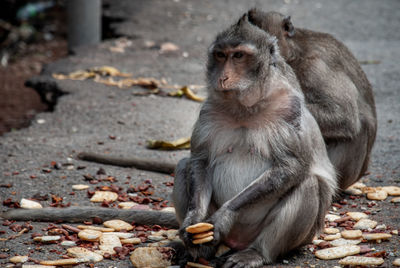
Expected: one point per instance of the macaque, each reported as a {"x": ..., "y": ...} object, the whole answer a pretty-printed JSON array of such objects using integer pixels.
[
  {"x": 258, "y": 169},
  {"x": 336, "y": 89}
]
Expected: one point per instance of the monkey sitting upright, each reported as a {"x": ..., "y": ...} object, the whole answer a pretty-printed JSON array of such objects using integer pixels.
[
  {"x": 336, "y": 89},
  {"x": 258, "y": 170}
]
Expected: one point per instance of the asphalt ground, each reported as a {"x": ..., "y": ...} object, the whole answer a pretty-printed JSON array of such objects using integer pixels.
[{"x": 100, "y": 118}]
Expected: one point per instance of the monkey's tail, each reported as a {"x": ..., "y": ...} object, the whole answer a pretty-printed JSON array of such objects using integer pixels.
[
  {"x": 137, "y": 162},
  {"x": 81, "y": 214}
]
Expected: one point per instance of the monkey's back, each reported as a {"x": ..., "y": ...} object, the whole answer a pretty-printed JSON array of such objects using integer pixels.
[{"x": 339, "y": 58}]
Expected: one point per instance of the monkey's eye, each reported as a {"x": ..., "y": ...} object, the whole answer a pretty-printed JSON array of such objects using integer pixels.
[
  {"x": 238, "y": 55},
  {"x": 271, "y": 50},
  {"x": 220, "y": 55}
]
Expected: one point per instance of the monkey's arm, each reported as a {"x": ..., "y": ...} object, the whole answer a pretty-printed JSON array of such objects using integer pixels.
[
  {"x": 198, "y": 208},
  {"x": 139, "y": 163},
  {"x": 272, "y": 184},
  {"x": 201, "y": 186},
  {"x": 201, "y": 196},
  {"x": 80, "y": 214},
  {"x": 331, "y": 97}
]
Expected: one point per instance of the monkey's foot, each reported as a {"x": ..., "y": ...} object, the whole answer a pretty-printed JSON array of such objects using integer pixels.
[
  {"x": 245, "y": 258},
  {"x": 202, "y": 251}
]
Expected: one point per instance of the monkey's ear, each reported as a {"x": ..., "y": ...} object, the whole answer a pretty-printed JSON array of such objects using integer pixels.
[
  {"x": 251, "y": 13},
  {"x": 243, "y": 19},
  {"x": 288, "y": 26}
]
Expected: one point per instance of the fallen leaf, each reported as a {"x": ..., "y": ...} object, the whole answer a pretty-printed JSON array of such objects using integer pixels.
[{"x": 168, "y": 47}]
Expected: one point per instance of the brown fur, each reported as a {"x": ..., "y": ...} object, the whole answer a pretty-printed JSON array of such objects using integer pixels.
[{"x": 336, "y": 89}]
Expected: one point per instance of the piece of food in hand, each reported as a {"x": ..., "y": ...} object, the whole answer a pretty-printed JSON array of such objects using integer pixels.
[
  {"x": 203, "y": 235},
  {"x": 197, "y": 265},
  {"x": 203, "y": 240},
  {"x": 199, "y": 228}
]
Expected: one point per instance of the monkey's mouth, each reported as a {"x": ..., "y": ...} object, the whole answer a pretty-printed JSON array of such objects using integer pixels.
[{"x": 228, "y": 93}]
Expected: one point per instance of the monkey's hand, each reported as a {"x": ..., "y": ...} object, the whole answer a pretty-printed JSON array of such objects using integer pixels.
[
  {"x": 192, "y": 218},
  {"x": 206, "y": 250},
  {"x": 223, "y": 220}
]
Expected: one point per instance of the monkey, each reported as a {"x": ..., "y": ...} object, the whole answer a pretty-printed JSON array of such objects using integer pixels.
[
  {"x": 258, "y": 169},
  {"x": 337, "y": 91}
]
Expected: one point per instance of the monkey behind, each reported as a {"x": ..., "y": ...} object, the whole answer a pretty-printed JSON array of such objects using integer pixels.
[
  {"x": 258, "y": 170},
  {"x": 337, "y": 91}
]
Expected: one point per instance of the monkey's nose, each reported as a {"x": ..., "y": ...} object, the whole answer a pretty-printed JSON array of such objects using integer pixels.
[{"x": 222, "y": 81}]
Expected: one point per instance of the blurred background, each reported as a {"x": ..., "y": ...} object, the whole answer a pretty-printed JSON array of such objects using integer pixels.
[{"x": 32, "y": 33}]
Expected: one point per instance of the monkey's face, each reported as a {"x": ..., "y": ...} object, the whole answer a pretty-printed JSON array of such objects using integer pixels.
[
  {"x": 239, "y": 63},
  {"x": 233, "y": 67}
]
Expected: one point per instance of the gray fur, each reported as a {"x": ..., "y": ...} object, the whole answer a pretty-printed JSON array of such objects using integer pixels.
[
  {"x": 260, "y": 174},
  {"x": 337, "y": 91}
]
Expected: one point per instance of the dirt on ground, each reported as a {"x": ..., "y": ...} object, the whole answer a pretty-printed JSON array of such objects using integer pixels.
[
  {"x": 26, "y": 45},
  {"x": 18, "y": 103}
]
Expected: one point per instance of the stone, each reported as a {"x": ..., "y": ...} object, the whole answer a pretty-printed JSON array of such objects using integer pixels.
[{"x": 148, "y": 257}]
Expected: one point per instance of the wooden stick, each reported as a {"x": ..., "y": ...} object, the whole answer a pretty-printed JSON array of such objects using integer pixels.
[{"x": 137, "y": 162}]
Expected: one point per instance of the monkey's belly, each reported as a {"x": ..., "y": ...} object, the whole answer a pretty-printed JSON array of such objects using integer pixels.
[{"x": 233, "y": 172}]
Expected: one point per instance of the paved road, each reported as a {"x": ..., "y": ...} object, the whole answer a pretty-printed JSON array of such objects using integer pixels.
[{"x": 86, "y": 117}]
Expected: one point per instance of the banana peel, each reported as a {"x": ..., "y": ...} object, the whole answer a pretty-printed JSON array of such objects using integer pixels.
[
  {"x": 182, "y": 143},
  {"x": 186, "y": 91},
  {"x": 92, "y": 73},
  {"x": 109, "y": 72},
  {"x": 149, "y": 83}
]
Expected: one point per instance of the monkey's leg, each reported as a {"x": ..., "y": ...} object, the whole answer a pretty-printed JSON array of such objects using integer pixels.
[
  {"x": 350, "y": 158},
  {"x": 181, "y": 191},
  {"x": 289, "y": 224},
  {"x": 191, "y": 198}
]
